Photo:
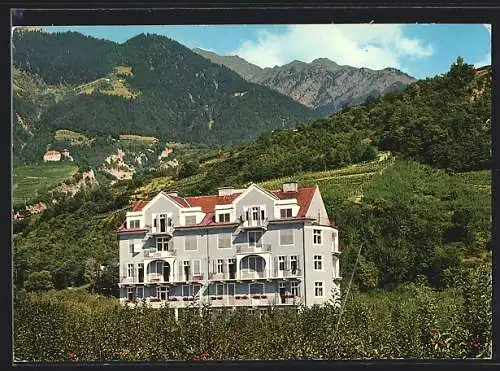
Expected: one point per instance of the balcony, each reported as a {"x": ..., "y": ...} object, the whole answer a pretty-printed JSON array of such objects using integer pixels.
[
  {"x": 156, "y": 254},
  {"x": 245, "y": 300},
  {"x": 254, "y": 224},
  {"x": 163, "y": 230},
  {"x": 288, "y": 273},
  {"x": 253, "y": 249},
  {"x": 155, "y": 278},
  {"x": 248, "y": 274},
  {"x": 222, "y": 276},
  {"x": 127, "y": 280}
]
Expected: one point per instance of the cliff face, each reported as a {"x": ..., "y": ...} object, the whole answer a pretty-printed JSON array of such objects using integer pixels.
[{"x": 322, "y": 85}]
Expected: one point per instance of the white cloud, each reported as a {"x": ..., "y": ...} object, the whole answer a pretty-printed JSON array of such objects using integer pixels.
[
  {"x": 362, "y": 45},
  {"x": 483, "y": 62},
  {"x": 488, "y": 27},
  {"x": 487, "y": 58}
]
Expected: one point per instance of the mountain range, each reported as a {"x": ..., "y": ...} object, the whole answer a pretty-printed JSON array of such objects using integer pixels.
[
  {"x": 322, "y": 85},
  {"x": 153, "y": 86},
  {"x": 149, "y": 85}
]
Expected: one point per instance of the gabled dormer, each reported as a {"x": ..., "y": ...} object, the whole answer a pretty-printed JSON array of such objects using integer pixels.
[{"x": 254, "y": 206}]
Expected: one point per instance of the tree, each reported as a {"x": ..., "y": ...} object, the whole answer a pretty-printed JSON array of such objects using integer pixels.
[
  {"x": 39, "y": 281},
  {"x": 188, "y": 169},
  {"x": 368, "y": 274}
]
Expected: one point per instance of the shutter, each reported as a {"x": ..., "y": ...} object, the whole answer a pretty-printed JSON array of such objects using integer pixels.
[{"x": 276, "y": 266}]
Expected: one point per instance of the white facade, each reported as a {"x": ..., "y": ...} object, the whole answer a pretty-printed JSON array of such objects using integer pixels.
[{"x": 244, "y": 247}]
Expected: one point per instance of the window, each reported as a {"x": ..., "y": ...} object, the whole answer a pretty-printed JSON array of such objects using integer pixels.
[
  {"x": 286, "y": 213},
  {"x": 255, "y": 263},
  {"x": 130, "y": 270},
  {"x": 255, "y": 213},
  {"x": 294, "y": 264},
  {"x": 231, "y": 267},
  {"x": 229, "y": 289},
  {"x": 186, "y": 270},
  {"x": 190, "y": 243},
  {"x": 256, "y": 289},
  {"x": 162, "y": 243},
  {"x": 130, "y": 246},
  {"x": 196, "y": 289},
  {"x": 162, "y": 292},
  {"x": 140, "y": 292},
  {"x": 190, "y": 220},
  {"x": 219, "y": 290},
  {"x": 140, "y": 272},
  {"x": 317, "y": 236},
  {"x": 254, "y": 238},
  {"x": 318, "y": 289},
  {"x": 318, "y": 262},
  {"x": 224, "y": 241},
  {"x": 163, "y": 222},
  {"x": 196, "y": 267},
  {"x": 130, "y": 293},
  {"x": 134, "y": 223},
  {"x": 295, "y": 288},
  {"x": 220, "y": 265},
  {"x": 187, "y": 290},
  {"x": 286, "y": 237},
  {"x": 281, "y": 263},
  {"x": 224, "y": 218}
]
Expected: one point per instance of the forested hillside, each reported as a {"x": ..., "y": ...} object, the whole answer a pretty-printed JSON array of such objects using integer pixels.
[
  {"x": 175, "y": 94},
  {"x": 444, "y": 121},
  {"x": 406, "y": 180}
]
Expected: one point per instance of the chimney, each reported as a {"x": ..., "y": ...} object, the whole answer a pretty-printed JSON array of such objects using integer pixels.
[
  {"x": 226, "y": 191},
  {"x": 173, "y": 193},
  {"x": 290, "y": 187}
]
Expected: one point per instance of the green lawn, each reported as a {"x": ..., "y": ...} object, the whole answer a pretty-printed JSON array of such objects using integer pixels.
[{"x": 31, "y": 181}]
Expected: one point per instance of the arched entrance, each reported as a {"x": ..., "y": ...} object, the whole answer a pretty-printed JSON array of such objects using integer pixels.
[
  {"x": 252, "y": 266},
  {"x": 159, "y": 270}
]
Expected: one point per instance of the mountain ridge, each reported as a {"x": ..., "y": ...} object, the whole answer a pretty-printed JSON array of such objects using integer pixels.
[
  {"x": 174, "y": 94},
  {"x": 322, "y": 84}
]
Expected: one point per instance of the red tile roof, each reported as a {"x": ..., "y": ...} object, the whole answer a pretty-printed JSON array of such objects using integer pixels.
[
  {"x": 207, "y": 203},
  {"x": 303, "y": 195},
  {"x": 52, "y": 153},
  {"x": 181, "y": 201}
]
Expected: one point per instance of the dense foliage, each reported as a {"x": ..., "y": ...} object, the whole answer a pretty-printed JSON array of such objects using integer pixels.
[
  {"x": 413, "y": 220},
  {"x": 64, "y": 58},
  {"x": 443, "y": 121},
  {"x": 181, "y": 95},
  {"x": 411, "y": 322},
  {"x": 69, "y": 236}
]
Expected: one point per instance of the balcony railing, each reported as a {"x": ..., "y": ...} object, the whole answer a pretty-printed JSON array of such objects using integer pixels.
[
  {"x": 288, "y": 273},
  {"x": 245, "y": 300},
  {"x": 251, "y": 249},
  {"x": 162, "y": 230},
  {"x": 222, "y": 276},
  {"x": 127, "y": 280},
  {"x": 259, "y": 223},
  {"x": 158, "y": 254},
  {"x": 155, "y": 277},
  {"x": 253, "y": 274}
]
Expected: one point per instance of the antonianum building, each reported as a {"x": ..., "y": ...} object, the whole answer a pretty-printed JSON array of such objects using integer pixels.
[{"x": 242, "y": 247}]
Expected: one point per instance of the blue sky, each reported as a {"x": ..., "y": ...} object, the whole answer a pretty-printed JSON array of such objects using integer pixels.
[{"x": 422, "y": 50}]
